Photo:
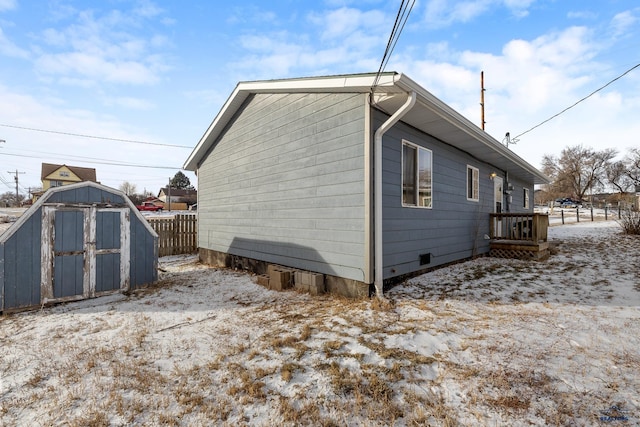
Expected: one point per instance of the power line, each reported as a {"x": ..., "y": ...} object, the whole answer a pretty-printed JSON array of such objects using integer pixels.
[
  {"x": 130, "y": 165},
  {"x": 131, "y": 141},
  {"x": 579, "y": 101},
  {"x": 401, "y": 19},
  {"x": 67, "y": 156}
]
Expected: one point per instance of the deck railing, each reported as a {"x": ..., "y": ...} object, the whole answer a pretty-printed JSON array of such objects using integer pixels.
[{"x": 519, "y": 226}]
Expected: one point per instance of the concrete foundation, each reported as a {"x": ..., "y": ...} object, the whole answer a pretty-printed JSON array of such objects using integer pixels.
[{"x": 279, "y": 277}]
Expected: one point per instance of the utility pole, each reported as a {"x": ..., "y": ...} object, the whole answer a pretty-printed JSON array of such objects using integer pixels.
[
  {"x": 16, "y": 178},
  {"x": 169, "y": 195},
  {"x": 482, "y": 122}
]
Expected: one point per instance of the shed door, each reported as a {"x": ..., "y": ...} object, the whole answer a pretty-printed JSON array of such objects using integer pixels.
[
  {"x": 85, "y": 252},
  {"x": 68, "y": 254},
  {"x": 497, "y": 198}
]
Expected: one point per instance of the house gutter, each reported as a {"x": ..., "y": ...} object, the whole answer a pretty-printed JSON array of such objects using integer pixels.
[{"x": 377, "y": 203}]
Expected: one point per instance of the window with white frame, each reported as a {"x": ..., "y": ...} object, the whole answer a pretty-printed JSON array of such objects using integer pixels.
[
  {"x": 473, "y": 183},
  {"x": 526, "y": 198},
  {"x": 417, "y": 176}
]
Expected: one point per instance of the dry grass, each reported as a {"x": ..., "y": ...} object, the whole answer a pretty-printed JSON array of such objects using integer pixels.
[{"x": 296, "y": 360}]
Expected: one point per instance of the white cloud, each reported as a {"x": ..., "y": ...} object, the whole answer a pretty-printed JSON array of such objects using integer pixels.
[
  {"x": 341, "y": 23},
  {"x": 103, "y": 48},
  {"x": 147, "y": 9},
  {"x": 442, "y": 13},
  {"x": 582, "y": 14},
  {"x": 623, "y": 22},
  {"x": 130, "y": 103},
  {"x": 8, "y": 48},
  {"x": 349, "y": 38},
  {"x": 7, "y": 5},
  {"x": 91, "y": 68},
  {"x": 528, "y": 82},
  {"x": 251, "y": 14}
]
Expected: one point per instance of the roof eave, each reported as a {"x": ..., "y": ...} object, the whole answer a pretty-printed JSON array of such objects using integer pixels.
[{"x": 452, "y": 116}]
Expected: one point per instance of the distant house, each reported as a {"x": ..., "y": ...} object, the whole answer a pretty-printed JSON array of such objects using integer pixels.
[
  {"x": 362, "y": 184},
  {"x": 59, "y": 175},
  {"x": 177, "y": 195}
]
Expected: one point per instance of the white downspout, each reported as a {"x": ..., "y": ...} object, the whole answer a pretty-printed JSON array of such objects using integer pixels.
[{"x": 377, "y": 201}]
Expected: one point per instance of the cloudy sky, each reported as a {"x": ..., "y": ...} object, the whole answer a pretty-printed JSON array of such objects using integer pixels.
[{"x": 142, "y": 80}]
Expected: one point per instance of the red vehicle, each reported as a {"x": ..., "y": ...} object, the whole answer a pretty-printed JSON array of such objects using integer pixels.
[{"x": 148, "y": 206}]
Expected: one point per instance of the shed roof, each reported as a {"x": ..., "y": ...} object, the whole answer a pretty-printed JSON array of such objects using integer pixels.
[
  {"x": 430, "y": 115},
  {"x": 92, "y": 197}
]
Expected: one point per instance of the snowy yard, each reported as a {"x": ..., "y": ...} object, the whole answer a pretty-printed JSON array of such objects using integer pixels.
[{"x": 487, "y": 342}]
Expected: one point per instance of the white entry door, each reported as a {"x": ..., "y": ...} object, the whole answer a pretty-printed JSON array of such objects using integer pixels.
[
  {"x": 498, "y": 194},
  {"x": 497, "y": 205}
]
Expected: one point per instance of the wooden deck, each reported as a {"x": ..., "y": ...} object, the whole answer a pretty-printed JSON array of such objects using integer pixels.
[{"x": 521, "y": 236}]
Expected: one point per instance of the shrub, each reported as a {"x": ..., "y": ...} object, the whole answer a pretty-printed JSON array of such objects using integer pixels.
[{"x": 630, "y": 221}]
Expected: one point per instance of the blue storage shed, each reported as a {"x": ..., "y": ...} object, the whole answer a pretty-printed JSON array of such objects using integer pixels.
[{"x": 77, "y": 241}]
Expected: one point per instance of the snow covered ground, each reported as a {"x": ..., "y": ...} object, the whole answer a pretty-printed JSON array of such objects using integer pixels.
[{"x": 489, "y": 342}]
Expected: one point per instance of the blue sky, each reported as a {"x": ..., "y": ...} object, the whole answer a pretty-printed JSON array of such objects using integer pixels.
[{"x": 159, "y": 71}]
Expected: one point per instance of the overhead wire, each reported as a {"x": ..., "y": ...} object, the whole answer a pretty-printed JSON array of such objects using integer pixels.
[
  {"x": 111, "y": 163},
  {"x": 401, "y": 19},
  {"x": 131, "y": 141},
  {"x": 578, "y": 102},
  {"x": 70, "y": 156}
]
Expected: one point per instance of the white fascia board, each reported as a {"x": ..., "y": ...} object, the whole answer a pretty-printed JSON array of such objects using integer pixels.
[
  {"x": 219, "y": 122},
  {"x": 347, "y": 83}
]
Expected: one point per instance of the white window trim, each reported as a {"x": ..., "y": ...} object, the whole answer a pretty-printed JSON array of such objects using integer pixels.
[
  {"x": 475, "y": 180},
  {"x": 526, "y": 203},
  {"x": 417, "y": 186}
]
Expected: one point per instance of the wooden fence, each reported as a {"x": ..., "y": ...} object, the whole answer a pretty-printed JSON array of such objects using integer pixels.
[{"x": 176, "y": 235}]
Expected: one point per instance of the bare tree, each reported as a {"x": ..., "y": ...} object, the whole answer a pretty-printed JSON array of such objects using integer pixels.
[
  {"x": 632, "y": 162},
  {"x": 578, "y": 170},
  {"x": 616, "y": 173},
  {"x": 9, "y": 199},
  {"x": 128, "y": 188},
  {"x": 556, "y": 188}
]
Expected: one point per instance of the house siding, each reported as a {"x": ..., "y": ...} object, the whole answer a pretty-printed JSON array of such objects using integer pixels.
[
  {"x": 453, "y": 228},
  {"x": 284, "y": 183}
]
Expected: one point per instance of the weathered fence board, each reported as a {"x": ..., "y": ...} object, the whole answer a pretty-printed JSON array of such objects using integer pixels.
[{"x": 176, "y": 235}]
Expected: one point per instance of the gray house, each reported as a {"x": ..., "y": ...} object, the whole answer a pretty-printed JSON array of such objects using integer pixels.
[
  {"x": 77, "y": 241},
  {"x": 364, "y": 185}
]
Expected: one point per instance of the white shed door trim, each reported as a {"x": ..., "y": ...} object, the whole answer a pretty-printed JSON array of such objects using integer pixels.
[{"x": 89, "y": 252}]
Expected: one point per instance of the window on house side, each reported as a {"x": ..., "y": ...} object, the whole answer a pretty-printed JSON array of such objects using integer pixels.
[
  {"x": 473, "y": 183},
  {"x": 526, "y": 198},
  {"x": 417, "y": 176}
]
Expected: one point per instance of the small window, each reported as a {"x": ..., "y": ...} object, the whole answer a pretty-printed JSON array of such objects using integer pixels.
[
  {"x": 526, "y": 198},
  {"x": 64, "y": 173},
  {"x": 417, "y": 174},
  {"x": 473, "y": 183}
]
